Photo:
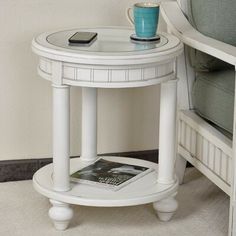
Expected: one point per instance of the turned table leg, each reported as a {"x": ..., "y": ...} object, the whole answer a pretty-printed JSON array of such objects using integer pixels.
[
  {"x": 60, "y": 212},
  {"x": 167, "y": 150},
  {"x": 89, "y": 124}
]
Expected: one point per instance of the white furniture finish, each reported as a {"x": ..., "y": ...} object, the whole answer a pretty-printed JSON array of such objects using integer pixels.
[
  {"x": 198, "y": 142},
  {"x": 112, "y": 61}
]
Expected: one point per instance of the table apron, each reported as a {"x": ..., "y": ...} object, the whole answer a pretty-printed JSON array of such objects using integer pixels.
[{"x": 106, "y": 76}]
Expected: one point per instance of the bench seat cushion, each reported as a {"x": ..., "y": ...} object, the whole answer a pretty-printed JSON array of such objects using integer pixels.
[
  {"x": 215, "y": 19},
  {"x": 213, "y": 97}
]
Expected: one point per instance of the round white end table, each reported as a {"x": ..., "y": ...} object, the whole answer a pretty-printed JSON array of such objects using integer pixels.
[{"x": 112, "y": 61}]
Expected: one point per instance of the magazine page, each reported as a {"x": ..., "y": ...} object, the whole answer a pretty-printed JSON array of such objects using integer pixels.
[{"x": 109, "y": 174}]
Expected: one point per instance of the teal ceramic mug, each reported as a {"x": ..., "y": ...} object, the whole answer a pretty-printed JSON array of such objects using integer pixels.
[{"x": 145, "y": 19}]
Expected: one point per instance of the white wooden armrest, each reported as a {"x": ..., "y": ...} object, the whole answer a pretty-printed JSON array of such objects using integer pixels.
[{"x": 179, "y": 25}]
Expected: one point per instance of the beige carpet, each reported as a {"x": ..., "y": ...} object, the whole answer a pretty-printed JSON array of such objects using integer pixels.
[{"x": 203, "y": 211}]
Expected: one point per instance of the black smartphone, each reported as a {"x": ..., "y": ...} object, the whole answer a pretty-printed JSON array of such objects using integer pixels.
[{"x": 82, "y": 37}]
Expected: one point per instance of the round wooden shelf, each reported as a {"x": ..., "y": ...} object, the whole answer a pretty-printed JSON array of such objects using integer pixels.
[{"x": 143, "y": 190}]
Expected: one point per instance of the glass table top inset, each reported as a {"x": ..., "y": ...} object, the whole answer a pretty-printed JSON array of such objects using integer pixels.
[{"x": 109, "y": 41}]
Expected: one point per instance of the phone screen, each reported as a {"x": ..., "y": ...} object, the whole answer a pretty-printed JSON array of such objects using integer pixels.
[{"x": 82, "y": 37}]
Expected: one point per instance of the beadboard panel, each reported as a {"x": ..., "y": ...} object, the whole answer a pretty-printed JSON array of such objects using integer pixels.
[{"x": 197, "y": 146}]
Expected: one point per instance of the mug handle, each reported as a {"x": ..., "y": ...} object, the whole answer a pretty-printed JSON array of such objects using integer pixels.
[{"x": 129, "y": 16}]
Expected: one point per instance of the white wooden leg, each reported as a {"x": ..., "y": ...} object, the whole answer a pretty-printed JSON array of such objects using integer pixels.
[
  {"x": 167, "y": 150},
  {"x": 180, "y": 166},
  {"x": 231, "y": 217},
  {"x": 61, "y": 214},
  {"x": 61, "y": 137},
  {"x": 89, "y": 124},
  {"x": 232, "y": 210},
  {"x": 167, "y": 132}
]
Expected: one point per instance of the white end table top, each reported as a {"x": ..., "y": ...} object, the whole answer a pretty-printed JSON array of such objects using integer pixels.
[{"x": 112, "y": 61}]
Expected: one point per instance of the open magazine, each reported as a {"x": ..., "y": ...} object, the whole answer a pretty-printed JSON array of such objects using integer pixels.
[{"x": 109, "y": 174}]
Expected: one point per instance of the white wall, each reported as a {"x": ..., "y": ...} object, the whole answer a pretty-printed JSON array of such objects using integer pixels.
[{"x": 127, "y": 118}]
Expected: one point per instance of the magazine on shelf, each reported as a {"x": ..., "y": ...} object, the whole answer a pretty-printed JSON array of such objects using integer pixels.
[{"x": 109, "y": 174}]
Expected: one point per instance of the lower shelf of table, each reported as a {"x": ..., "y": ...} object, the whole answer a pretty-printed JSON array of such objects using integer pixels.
[{"x": 141, "y": 191}]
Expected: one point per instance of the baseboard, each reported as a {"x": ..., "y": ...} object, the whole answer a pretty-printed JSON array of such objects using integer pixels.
[{"x": 14, "y": 170}]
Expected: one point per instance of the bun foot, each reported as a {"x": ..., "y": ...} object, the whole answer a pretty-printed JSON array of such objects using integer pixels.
[
  {"x": 61, "y": 214},
  {"x": 165, "y": 208}
]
